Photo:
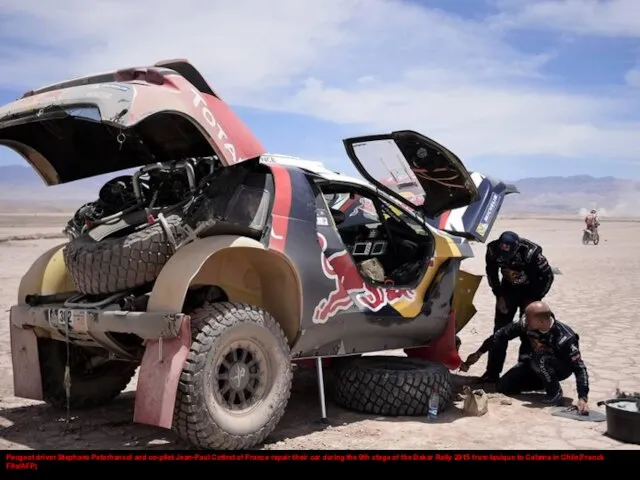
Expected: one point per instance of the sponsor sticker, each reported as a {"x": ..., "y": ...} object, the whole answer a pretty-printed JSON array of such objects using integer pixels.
[
  {"x": 491, "y": 209},
  {"x": 350, "y": 290},
  {"x": 489, "y": 214}
]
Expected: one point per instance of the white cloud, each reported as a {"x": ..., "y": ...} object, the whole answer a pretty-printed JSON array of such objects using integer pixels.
[
  {"x": 632, "y": 77},
  {"x": 242, "y": 45},
  {"x": 373, "y": 64},
  {"x": 609, "y": 18},
  {"x": 477, "y": 119}
]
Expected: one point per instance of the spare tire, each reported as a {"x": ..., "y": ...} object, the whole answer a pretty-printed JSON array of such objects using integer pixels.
[
  {"x": 120, "y": 263},
  {"x": 391, "y": 386}
]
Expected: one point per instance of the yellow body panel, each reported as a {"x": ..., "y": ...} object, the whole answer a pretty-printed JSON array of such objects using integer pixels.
[
  {"x": 48, "y": 275},
  {"x": 243, "y": 268},
  {"x": 463, "y": 298},
  {"x": 445, "y": 248}
]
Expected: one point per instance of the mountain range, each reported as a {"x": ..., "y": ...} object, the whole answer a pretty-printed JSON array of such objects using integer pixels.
[
  {"x": 612, "y": 197},
  {"x": 22, "y": 189}
]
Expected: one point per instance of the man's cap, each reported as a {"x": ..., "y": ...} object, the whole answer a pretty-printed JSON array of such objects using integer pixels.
[{"x": 509, "y": 238}]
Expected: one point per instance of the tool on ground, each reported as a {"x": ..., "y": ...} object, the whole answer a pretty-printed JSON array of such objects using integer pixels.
[{"x": 572, "y": 413}]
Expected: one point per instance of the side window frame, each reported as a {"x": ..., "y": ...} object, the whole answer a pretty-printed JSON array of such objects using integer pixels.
[
  {"x": 374, "y": 195},
  {"x": 413, "y": 217}
]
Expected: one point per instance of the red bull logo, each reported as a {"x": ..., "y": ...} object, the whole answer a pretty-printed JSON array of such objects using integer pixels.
[{"x": 350, "y": 289}]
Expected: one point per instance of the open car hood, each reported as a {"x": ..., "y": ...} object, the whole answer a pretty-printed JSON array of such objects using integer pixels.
[
  {"x": 124, "y": 119},
  {"x": 428, "y": 177}
]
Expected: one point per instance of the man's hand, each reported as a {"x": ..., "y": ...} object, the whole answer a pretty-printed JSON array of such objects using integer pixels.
[
  {"x": 471, "y": 359},
  {"x": 583, "y": 407},
  {"x": 501, "y": 304}
]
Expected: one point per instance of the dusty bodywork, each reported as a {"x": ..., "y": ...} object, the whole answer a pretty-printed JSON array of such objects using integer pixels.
[{"x": 216, "y": 264}]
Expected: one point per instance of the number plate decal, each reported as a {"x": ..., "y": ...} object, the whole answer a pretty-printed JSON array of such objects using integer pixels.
[{"x": 74, "y": 320}]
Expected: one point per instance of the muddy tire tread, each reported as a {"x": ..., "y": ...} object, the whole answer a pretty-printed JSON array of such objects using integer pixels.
[
  {"x": 362, "y": 386},
  {"x": 190, "y": 422},
  {"x": 120, "y": 263}
]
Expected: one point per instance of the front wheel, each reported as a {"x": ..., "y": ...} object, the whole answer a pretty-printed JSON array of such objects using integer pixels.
[
  {"x": 236, "y": 381},
  {"x": 585, "y": 238},
  {"x": 596, "y": 239}
]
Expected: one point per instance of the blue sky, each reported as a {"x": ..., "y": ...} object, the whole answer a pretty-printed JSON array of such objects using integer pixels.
[{"x": 517, "y": 88}]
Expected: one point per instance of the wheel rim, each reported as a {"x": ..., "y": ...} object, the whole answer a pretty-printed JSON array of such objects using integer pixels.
[{"x": 239, "y": 380}]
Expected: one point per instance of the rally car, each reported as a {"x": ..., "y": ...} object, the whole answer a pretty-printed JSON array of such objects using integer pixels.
[{"x": 214, "y": 265}]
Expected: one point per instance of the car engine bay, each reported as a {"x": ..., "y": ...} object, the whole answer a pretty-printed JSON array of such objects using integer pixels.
[{"x": 161, "y": 186}]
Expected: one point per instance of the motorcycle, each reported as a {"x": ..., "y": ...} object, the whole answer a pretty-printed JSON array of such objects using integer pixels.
[{"x": 590, "y": 236}]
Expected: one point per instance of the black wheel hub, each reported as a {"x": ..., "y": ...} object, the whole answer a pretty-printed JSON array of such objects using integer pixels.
[{"x": 239, "y": 378}]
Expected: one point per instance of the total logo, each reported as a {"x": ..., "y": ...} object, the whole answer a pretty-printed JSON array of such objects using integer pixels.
[
  {"x": 200, "y": 103},
  {"x": 350, "y": 290}
]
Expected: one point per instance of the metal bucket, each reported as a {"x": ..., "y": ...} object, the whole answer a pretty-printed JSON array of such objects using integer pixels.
[{"x": 623, "y": 419}]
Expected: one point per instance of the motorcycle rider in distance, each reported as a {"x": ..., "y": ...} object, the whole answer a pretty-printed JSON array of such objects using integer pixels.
[
  {"x": 526, "y": 278},
  {"x": 591, "y": 221}
]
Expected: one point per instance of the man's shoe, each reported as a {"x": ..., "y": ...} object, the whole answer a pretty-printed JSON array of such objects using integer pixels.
[
  {"x": 489, "y": 378},
  {"x": 554, "y": 399}
]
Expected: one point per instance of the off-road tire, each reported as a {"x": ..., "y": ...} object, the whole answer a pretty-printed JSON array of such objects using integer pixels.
[
  {"x": 121, "y": 263},
  {"x": 391, "y": 386},
  {"x": 87, "y": 391},
  {"x": 199, "y": 418},
  {"x": 596, "y": 239},
  {"x": 585, "y": 238}
]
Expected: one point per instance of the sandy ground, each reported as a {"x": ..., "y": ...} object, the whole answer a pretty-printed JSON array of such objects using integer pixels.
[{"x": 597, "y": 294}]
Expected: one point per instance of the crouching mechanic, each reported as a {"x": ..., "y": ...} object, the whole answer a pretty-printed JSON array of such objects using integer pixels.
[
  {"x": 549, "y": 354},
  {"x": 526, "y": 277}
]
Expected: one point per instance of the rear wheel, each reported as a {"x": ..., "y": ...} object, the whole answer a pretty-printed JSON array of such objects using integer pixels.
[
  {"x": 94, "y": 381},
  {"x": 236, "y": 382}
]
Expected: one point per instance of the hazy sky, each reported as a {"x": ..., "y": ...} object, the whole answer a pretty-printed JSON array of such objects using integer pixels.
[{"x": 516, "y": 88}]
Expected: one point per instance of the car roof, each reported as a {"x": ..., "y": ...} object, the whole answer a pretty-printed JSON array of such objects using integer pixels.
[
  {"x": 317, "y": 168},
  {"x": 314, "y": 167}
]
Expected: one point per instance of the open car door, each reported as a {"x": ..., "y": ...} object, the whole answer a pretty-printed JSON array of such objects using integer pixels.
[
  {"x": 428, "y": 177},
  {"x": 476, "y": 220}
]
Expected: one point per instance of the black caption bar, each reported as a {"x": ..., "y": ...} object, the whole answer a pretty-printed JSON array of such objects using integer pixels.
[{"x": 16, "y": 461}]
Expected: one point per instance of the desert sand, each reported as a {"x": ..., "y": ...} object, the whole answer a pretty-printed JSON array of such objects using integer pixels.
[{"x": 596, "y": 294}]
